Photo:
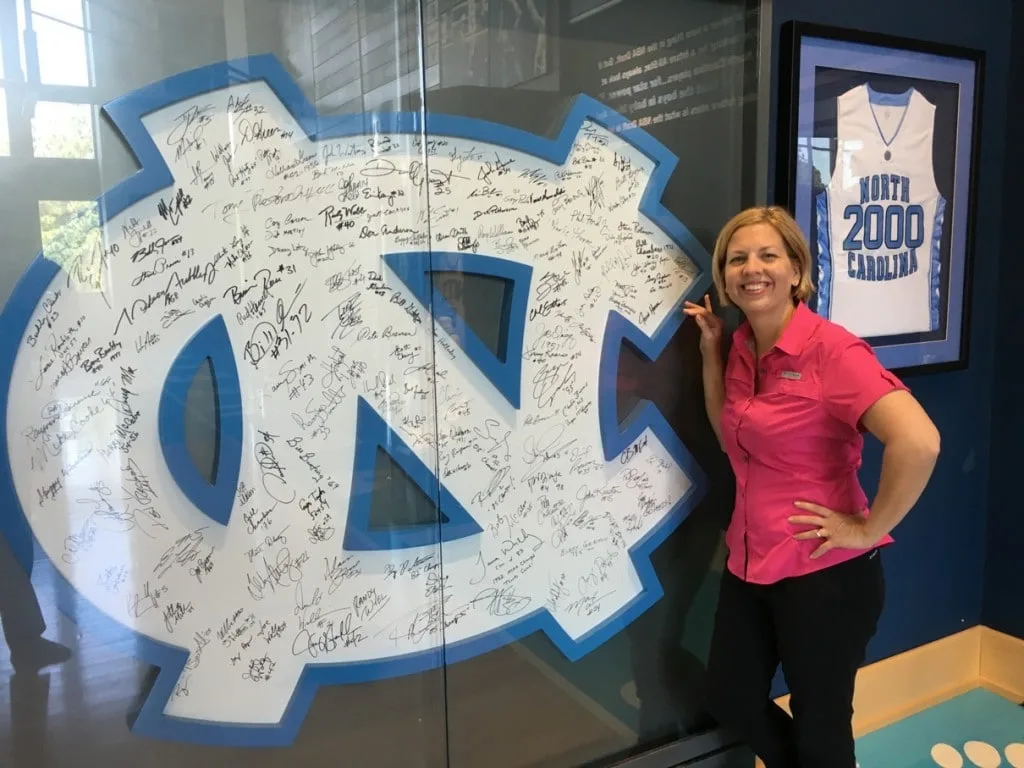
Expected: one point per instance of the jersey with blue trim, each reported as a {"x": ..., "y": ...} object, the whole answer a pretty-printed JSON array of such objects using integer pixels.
[{"x": 880, "y": 217}]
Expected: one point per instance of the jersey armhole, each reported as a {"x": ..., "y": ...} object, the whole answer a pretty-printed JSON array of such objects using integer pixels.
[
  {"x": 935, "y": 246},
  {"x": 824, "y": 260}
]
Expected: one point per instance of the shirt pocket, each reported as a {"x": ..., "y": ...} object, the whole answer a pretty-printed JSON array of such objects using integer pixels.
[
  {"x": 794, "y": 410},
  {"x": 804, "y": 389}
]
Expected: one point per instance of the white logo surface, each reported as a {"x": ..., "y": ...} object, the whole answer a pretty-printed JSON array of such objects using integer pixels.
[{"x": 303, "y": 260}]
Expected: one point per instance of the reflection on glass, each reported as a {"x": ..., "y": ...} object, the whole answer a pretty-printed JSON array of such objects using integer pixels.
[
  {"x": 70, "y": 234},
  {"x": 63, "y": 130},
  {"x": 60, "y": 43},
  {"x": 686, "y": 73},
  {"x": 580, "y": 9},
  {"x": 362, "y": 58},
  {"x": 68, "y": 11},
  {"x": 677, "y": 68},
  {"x": 306, "y": 380},
  {"x": 5, "y": 131},
  {"x": 821, "y": 159},
  {"x": 501, "y": 44}
]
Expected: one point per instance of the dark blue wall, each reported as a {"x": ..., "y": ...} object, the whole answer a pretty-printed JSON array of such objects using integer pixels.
[
  {"x": 1004, "y": 577},
  {"x": 936, "y": 570}
]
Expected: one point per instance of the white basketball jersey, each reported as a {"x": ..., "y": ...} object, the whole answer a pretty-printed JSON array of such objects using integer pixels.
[{"x": 880, "y": 217}]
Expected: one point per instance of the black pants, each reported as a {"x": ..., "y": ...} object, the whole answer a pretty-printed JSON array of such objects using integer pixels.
[{"x": 818, "y": 626}]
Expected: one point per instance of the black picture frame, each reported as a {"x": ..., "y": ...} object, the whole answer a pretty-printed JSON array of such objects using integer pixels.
[{"x": 911, "y": 303}]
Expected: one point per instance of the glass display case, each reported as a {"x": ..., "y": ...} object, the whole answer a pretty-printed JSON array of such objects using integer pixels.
[{"x": 350, "y": 412}]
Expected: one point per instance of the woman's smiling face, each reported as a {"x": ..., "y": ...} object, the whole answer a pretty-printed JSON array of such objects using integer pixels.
[{"x": 759, "y": 274}]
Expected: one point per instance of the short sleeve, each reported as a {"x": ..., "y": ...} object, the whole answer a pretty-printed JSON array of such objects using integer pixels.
[{"x": 854, "y": 380}]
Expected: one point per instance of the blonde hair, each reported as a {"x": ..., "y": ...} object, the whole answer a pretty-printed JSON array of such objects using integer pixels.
[{"x": 789, "y": 231}]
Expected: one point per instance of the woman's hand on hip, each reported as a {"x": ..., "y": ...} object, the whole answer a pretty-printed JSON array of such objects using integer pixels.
[
  {"x": 710, "y": 325},
  {"x": 835, "y": 529}
]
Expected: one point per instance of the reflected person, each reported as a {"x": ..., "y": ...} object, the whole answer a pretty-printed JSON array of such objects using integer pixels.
[
  {"x": 804, "y": 583},
  {"x": 22, "y": 619}
]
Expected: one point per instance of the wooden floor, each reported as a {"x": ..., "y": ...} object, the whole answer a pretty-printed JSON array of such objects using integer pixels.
[{"x": 503, "y": 711}]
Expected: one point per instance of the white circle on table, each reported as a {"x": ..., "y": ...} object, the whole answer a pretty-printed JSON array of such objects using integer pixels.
[
  {"x": 982, "y": 754},
  {"x": 946, "y": 756},
  {"x": 1015, "y": 755}
]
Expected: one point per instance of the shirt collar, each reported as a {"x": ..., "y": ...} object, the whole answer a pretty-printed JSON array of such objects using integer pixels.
[{"x": 794, "y": 337}]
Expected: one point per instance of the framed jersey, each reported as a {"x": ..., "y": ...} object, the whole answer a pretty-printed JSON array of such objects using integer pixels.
[{"x": 877, "y": 145}]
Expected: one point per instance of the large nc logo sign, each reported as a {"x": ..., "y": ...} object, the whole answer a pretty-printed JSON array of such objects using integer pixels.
[{"x": 301, "y": 257}]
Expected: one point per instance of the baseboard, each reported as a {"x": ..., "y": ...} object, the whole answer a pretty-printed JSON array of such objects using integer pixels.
[
  {"x": 907, "y": 683},
  {"x": 1002, "y": 664},
  {"x": 910, "y": 682}
]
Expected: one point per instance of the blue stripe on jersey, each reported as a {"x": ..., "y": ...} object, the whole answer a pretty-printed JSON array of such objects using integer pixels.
[
  {"x": 824, "y": 255},
  {"x": 936, "y": 262},
  {"x": 889, "y": 100},
  {"x": 884, "y": 99}
]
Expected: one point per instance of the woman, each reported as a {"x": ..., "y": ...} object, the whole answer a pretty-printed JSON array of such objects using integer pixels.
[{"x": 803, "y": 585}]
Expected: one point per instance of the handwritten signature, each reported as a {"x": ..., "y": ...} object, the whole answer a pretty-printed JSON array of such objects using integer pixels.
[
  {"x": 500, "y": 601},
  {"x": 282, "y": 572}
]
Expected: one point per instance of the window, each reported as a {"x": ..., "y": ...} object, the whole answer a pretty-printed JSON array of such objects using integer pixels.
[
  {"x": 5, "y": 132},
  {"x": 59, "y": 52},
  {"x": 70, "y": 232},
  {"x": 63, "y": 130}
]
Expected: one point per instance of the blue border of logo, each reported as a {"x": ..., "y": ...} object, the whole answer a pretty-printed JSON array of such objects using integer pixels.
[
  {"x": 414, "y": 270},
  {"x": 126, "y": 112},
  {"x": 372, "y": 432},
  {"x": 211, "y": 342}
]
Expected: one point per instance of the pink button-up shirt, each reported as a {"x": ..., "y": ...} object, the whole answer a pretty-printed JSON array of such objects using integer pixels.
[{"x": 792, "y": 432}]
